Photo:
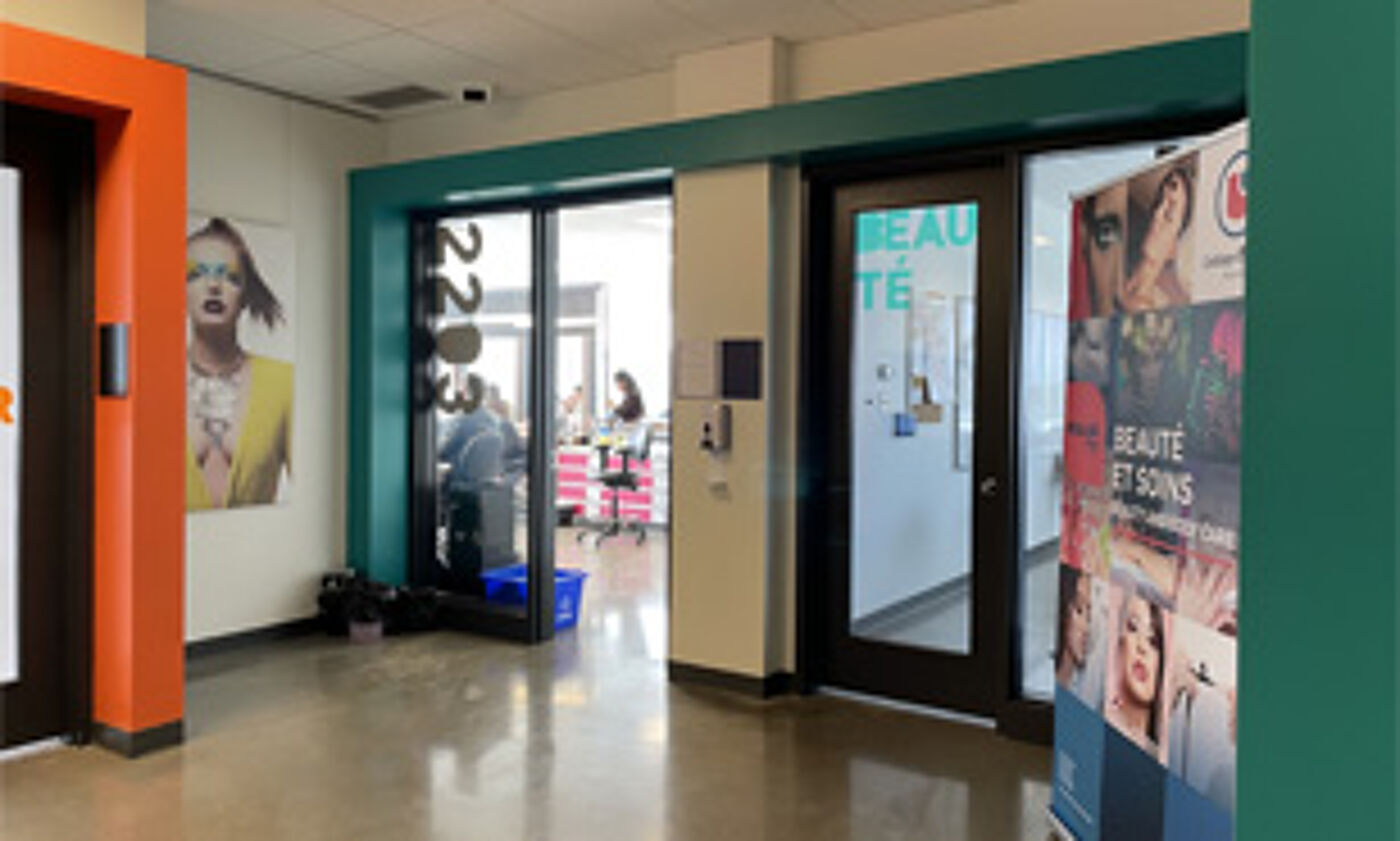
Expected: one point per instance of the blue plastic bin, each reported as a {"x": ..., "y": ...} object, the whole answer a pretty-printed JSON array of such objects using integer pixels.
[{"x": 510, "y": 585}]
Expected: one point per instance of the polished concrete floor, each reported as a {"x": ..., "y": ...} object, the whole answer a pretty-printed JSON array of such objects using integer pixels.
[{"x": 447, "y": 736}]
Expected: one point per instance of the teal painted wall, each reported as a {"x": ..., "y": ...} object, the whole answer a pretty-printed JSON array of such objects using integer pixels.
[
  {"x": 1173, "y": 80},
  {"x": 1318, "y": 656}
]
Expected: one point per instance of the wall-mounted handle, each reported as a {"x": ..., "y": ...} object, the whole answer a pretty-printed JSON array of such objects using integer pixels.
[{"x": 113, "y": 369}]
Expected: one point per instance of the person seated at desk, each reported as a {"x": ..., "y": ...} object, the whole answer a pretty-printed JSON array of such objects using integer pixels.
[
  {"x": 631, "y": 409},
  {"x": 481, "y": 446}
]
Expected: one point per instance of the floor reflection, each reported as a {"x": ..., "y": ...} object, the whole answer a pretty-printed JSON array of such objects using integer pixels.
[{"x": 448, "y": 736}]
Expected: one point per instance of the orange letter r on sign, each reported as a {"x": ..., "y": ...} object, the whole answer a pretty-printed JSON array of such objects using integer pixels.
[{"x": 7, "y": 399}]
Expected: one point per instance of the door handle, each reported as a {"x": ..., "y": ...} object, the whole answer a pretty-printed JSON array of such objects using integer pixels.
[{"x": 987, "y": 487}]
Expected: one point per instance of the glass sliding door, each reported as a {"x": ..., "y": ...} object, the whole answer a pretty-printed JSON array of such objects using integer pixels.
[
  {"x": 474, "y": 394},
  {"x": 504, "y": 354}
]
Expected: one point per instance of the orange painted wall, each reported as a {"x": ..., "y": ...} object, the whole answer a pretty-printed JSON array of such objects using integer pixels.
[{"x": 138, "y": 107}]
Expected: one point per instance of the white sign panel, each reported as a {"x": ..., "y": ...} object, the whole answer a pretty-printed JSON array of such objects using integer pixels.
[{"x": 9, "y": 424}]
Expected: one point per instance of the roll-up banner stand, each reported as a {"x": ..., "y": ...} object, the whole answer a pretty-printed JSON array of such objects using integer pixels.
[
  {"x": 10, "y": 342},
  {"x": 1146, "y": 687}
]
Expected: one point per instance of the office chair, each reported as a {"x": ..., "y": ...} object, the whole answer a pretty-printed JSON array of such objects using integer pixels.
[{"x": 636, "y": 448}]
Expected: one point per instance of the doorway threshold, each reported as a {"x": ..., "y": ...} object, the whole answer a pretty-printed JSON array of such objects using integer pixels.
[{"x": 914, "y": 709}]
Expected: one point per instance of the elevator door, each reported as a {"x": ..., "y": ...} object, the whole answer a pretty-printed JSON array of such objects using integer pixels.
[{"x": 53, "y": 155}]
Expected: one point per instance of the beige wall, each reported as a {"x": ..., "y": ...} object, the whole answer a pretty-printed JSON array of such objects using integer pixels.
[
  {"x": 719, "y": 565},
  {"x": 263, "y": 158},
  {"x": 731, "y": 560},
  {"x": 119, "y": 24},
  {"x": 737, "y": 77},
  {"x": 1024, "y": 32},
  {"x": 784, "y": 336}
]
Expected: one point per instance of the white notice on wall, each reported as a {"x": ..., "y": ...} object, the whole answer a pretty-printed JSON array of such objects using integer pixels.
[
  {"x": 9, "y": 424},
  {"x": 695, "y": 368}
]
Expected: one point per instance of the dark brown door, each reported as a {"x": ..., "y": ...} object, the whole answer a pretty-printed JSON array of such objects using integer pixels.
[
  {"x": 54, "y": 157},
  {"x": 909, "y": 435}
]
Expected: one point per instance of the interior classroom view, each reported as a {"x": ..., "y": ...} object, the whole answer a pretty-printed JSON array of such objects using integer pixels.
[
  {"x": 969, "y": 420},
  {"x": 606, "y": 416}
]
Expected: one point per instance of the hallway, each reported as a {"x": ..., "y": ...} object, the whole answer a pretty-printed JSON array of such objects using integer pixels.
[{"x": 448, "y": 736}]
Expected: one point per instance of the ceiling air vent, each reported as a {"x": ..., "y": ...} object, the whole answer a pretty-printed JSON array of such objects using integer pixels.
[{"x": 403, "y": 96}]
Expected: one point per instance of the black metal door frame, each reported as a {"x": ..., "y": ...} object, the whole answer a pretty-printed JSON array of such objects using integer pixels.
[
  {"x": 969, "y": 683},
  {"x": 537, "y": 624}
]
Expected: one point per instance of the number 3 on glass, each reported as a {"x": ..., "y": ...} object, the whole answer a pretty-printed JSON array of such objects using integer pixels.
[{"x": 450, "y": 400}]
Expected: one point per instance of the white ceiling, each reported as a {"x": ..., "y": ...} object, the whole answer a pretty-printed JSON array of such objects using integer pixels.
[{"x": 328, "y": 50}]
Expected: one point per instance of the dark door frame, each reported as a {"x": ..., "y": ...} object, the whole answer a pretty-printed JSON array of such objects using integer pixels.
[
  {"x": 73, "y": 139},
  {"x": 1016, "y": 716},
  {"x": 969, "y": 682}
]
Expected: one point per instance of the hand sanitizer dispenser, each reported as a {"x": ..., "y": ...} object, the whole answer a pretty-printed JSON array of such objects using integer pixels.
[{"x": 714, "y": 428}]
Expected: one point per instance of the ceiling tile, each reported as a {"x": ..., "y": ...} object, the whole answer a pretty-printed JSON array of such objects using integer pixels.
[
  {"x": 879, "y": 13},
  {"x": 317, "y": 76},
  {"x": 306, "y": 23},
  {"x": 792, "y": 20},
  {"x": 642, "y": 31},
  {"x": 398, "y": 13},
  {"x": 524, "y": 47},
  {"x": 201, "y": 39},
  {"x": 415, "y": 59}
]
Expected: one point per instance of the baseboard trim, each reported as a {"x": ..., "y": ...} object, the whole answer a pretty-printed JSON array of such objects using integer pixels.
[
  {"x": 244, "y": 639},
  {"x": 138, "y": 744},
  {"x": 778, "y": 683}
]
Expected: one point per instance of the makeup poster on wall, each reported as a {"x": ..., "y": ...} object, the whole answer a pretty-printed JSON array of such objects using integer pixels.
[
  {"x": 10, "y": 372},
  {"x": 240, "y": 295},
  {"x": 1146, "y": 678}
]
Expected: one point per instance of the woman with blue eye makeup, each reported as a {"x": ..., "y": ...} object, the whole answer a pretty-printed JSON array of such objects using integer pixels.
[{"x": 239, "y": 404}]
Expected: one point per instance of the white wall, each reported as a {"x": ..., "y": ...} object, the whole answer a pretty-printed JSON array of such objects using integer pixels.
[{"x": 266, "y": 159}]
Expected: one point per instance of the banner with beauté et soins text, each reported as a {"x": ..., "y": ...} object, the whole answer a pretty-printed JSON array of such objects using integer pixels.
[{"x": 1145, "y": 658}]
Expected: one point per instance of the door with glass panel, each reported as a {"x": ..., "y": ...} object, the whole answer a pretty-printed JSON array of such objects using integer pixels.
[{"x": 915, "y": 329}]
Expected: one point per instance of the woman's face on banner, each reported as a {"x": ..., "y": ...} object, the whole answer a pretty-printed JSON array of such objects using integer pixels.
[
  {"x": 1077, "y": 622},
  {"x": 213, "y": 284},
  {"x": 1171, "y": 202},
  {"x": 1141, "y": 651},
  {"x": 1104, "y": 245}
]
